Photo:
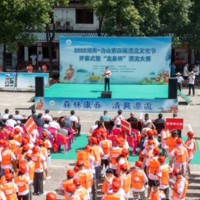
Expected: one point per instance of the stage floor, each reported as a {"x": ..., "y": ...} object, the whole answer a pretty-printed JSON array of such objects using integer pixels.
[{"x": 118, "y": 91}]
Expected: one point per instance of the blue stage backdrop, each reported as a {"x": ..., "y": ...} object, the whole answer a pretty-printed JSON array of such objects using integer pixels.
[
  {"x": 132, "y": 60},
  {"x": 95, "y": 104}
]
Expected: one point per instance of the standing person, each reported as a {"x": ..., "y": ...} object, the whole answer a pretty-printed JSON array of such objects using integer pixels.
[
  {"x": 185, "y": 74},
  {"x": 107, "y": 75},
  {"x": 164, "y": 134},
  {"x": 33, "y": 58},
  {"x": 180, "y": 80},
  {"x": 29, "y": 68},
  {"x": 196, "y": 70},
  {"x": 191, "y": 80},
  {"x": 40, "y": 57},
  {"x": 156, "y": 194},
  {"x": 44, "y": 68}
]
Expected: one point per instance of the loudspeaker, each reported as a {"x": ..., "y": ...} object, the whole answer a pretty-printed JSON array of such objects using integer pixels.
[
  {"x": 39, "y": 86},
  {"x": 106, "y": 94},
  {"x": 172, "y": 90}
]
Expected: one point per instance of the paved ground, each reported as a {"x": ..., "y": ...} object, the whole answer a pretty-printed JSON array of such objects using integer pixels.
[{"x": 190, "y": 113}]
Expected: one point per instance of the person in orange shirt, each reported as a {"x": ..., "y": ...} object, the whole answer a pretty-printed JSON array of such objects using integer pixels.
[
  {"x": 44, "y": 68},
  {"x": 10, "y": 189},
  {"x": 138, "y": 181},
  {"x": 51, "y": 196},
  {"x": 21, "y": 181},
  {"x": 180, "y": 155},
  {"x": 171, "y": 143},
  {"x": 71, "y": 190},
  {"x": 21, "y": 156},
  {"x": 157, "y": 194},
  {"x": 190, "y": 145},
  {"x": 29, "y": 68},
  {"x": 180, "y": 187},
  {"x": 98, "y": 131}
]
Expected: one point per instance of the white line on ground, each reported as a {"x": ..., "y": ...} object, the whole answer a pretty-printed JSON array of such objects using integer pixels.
[
  {"x": 59, "y": 112},
  {"x": 4, "y": 104},
  {"x": 26, "y": 103},
  {"x": 190, "y": 127},
  {"x": 141, "y": 115}
]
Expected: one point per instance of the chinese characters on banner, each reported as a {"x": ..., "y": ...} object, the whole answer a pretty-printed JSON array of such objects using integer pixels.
[
  {"x": 30, "y": 125},
  {"x": 174, "y": 123},
  {"x": 126, "y": 126}
]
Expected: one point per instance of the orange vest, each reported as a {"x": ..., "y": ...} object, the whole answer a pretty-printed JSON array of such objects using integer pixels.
[
  {"x": 164, "y": 179},
  {"x": 43, "y": 151},
  {"x": 30, "y": 68},
  {"x": 31, "y": 165},
  {"x": 84, "y": 156},
  {"x": 46, "y": 144},
  {"x": 83, "y": 194},
  {"x": 85, "y": 179},
  {"x": 36, "y": 159},
  {"x": 96, "y": 153},
  {"x": 110, "y": 197},
  {"x": 176, "y": 187},
  {"x": 127, "y": 164},
  {"x": 104, "y": 188},
  {"x": 6, "y": 157},
  {"x": 114, "y": 153},
  {"x": 171, "y": 143},
  {"x": 106, "y": 146},
  {"x": 13, "y": 146},
  {"x": 155, "y": 196},
  {"x": 137, "y": 179},
  {"x": 154, "y": 165},
  {"x": 45, "y": 68},
  {"x": 65, "y": 183},
  {"x": 127, "y": 182},
  {"x": 18, "y": 138},
  {"x": 21, "y": 160},
  {"x": 21, "y": 183},
  {"x": 3, "y": 180},
  {"x": 73, "y": 197},
  {"x": 180, "y": 154},
  {"x": 9, "y": 191},
  {"x": 190, "y": 151}
]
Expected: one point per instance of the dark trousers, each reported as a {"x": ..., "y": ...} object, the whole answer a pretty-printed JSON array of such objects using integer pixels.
[
  {"x": 179, "y": 86},
  {"x": 23, "y": 197},
  {"x": 107, "y": 83},
  {"x": 78, "y": 126},
  {"x": 38, "y": 182},
  {"x": 166, "y": 191},
  {"x": 191, "y": 86},
  {"x": 94, "y": 188}
]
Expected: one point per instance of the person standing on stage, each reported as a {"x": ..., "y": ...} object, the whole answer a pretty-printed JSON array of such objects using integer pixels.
[
  {"x": 191, "y": 80},
  {"x": 107, "y": 75},
  {"x": 180, "y": 80}
]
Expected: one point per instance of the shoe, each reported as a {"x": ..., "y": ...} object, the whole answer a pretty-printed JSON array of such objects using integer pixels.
[
  {"x": 40, "y": 194},
  {"x": 35, "y": 193},
  {"x": 48, "y": 177}
]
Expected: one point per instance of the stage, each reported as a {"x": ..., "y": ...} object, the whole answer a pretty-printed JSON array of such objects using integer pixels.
[{"x": 137, "y": 98}]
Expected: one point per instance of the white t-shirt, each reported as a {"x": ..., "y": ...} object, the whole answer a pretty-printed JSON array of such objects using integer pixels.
[
  {"x": 185, "y": 71},
  {"x": 191, "y": 79},
  {"x": 3, "y": 197},
  {"x": 54, "y": 124},
  {"x": 92, "y": 128},
  {"x": 17, "y": 117},
  {"x": 180, "y": 79},
  {"x": 4, "y": 116},
  {"x": 40, "y": 57},
  {"x": 196, "y": 70},
  {"x": 33, "y": 57},
  {"x": 163, "y": 143},
  {"x": 47, "y": 116},
  {"x": 11, "y": 122},
  {"x": 108, "y": 76},
  {"x": 190, "y": 145},
  {"x": 73, "y": 118}
]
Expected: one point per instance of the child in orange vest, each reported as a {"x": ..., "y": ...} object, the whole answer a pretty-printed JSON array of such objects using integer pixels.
[
  {"x": 44, "y": 68},
  {"x": 108, "y": 181},
  {"x": 29, "y": 68},
  {"x": 71, "y": 190},
  {"x": 80, "y": 190},
  {"x": 156, "y": 194}
]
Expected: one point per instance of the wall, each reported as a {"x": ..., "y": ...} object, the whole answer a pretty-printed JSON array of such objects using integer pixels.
[{"x": 69, "y": 14}]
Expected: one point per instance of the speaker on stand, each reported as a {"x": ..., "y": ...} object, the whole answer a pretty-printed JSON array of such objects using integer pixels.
[
  {"x": 172, "y": 90},
  {"x": 106, "y": 94},
  {"x": 39, "y": 86}
]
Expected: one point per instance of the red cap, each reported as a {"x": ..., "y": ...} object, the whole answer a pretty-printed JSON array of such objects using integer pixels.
[
  {"x": 77, "y": 181},
  {"x": 116, "y": 185},
  {"x": 51, "y": 196},
  {"x": 155, "y": 132},
  {"x": 35, "y": 149},
  {"x": 79, "y": 163},
  {"x": 5, "y": 144},
  {"x": 175, "y": 171},
  {"x": 40, "y": 142},
  {"x": 150, "y": 142},
  {"x": 25, "y": 147},
  {"x": 6, "y": 170},
  {"x": 123, "y": 166},
  {"x": 104, "y": 135},
  {"x": 87, "y": 147},
  {"x": 156, "y": 151},
  {"x": 44, "y": 134},
  {"x": 76, "y": 169},
  {"x": 125, "y": 152},
  {"x": 150, "y": 133},
  {"x": 190, "y": 133},
  {"x": 22, "y": 169},
  {"x": 70, "y": 187},
  {"x": 93, "y": 140},
  {"x": 24, "y": 141},
  {"x": 70, "y": 172},
  {"x": 8, "y": 176},
  {"x": 27, "y": 137},
  {"x": 138, "y": 164},
  {"x": 161, "y": 159},
  {"x": 11, "y": 135},
  {"x": 17, "y": 130},
  {"x": 179, "y": 141}
]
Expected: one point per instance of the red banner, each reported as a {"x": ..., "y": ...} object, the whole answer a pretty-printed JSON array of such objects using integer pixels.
[
  {"x": 30, "y": 125},
  {"x": 174, "y": 123},
  {"x": 126, "y": 126}
]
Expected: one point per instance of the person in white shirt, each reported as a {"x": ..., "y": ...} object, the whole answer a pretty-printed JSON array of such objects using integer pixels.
[
  {"x": 185, "y": 73},
  {"x": 180, "y": 80},
  {"x": 107, "y": 75},
  {"x": 46, "y": 116},
  {"x": 54, "y": 124},
  {"x": 119, "y": 116},
  {"x": 17, "y": 115},
  {"x": 196, "y": 70},
  {"x": 5, "y": 115},
  {"x": 93, "y": 127},
  {"x": 191, "y": 80},
  {"x": 10, "y": 121},
  {"x": 33, "y": 59},
  {"x": 75, "y": 119},
  {"x": 40, "y": 57}
]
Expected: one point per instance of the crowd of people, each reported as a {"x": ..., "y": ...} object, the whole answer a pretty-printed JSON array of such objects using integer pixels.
[{"x": 26, "y": 158}]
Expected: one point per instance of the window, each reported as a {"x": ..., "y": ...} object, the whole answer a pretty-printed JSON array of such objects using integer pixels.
[
  {"x": 45, "y": 51},
  {"x": 84, "y": 16}
]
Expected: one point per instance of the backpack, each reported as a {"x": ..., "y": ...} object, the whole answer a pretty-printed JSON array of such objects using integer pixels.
[{"x": 142, "y": 140}]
